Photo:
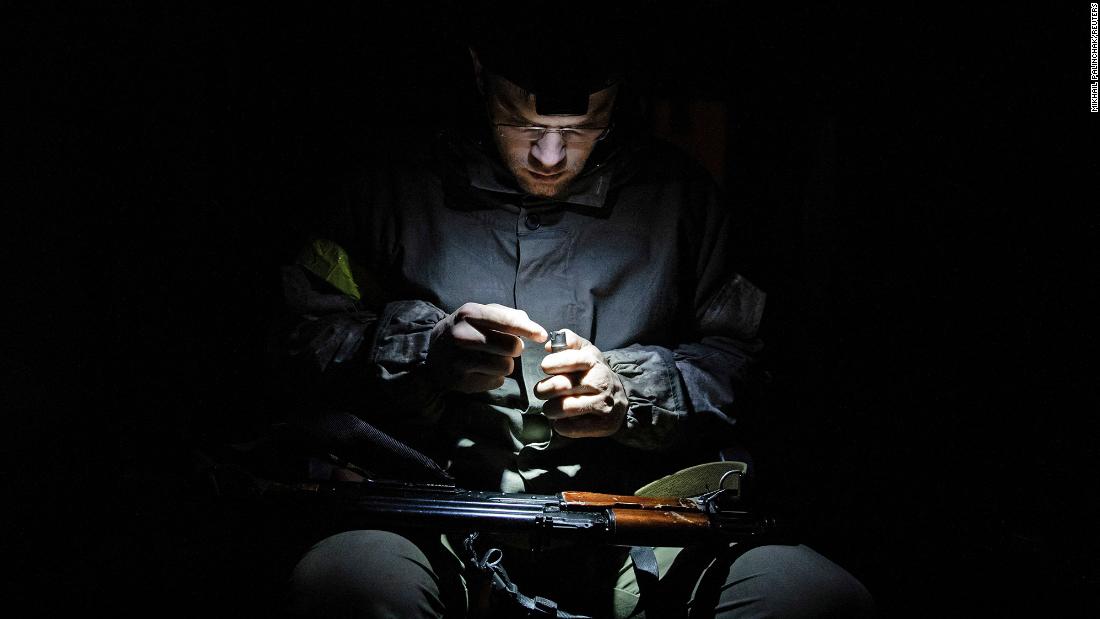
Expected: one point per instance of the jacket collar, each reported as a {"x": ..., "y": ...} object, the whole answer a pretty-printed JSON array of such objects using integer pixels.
[{"x": 485, "y": 171}]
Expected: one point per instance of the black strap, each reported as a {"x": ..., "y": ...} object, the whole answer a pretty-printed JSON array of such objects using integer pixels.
[
  {"x": 515, "y": 604},
  {"x": 357, "y": 441},
  {"x": 648, "y": 577}
]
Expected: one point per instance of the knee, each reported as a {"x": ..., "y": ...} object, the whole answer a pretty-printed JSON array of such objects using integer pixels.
[
  {"x": 364, "y": 574},
  {"x": 792, "y": 581}
]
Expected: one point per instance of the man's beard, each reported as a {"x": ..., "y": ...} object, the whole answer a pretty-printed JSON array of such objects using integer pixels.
[{"x": 555, "y": 189}]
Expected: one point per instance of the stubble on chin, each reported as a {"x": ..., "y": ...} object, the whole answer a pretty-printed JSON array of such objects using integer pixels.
[
  {"x": 545, "y": 190},
  {"x": 542, "y": 190}
]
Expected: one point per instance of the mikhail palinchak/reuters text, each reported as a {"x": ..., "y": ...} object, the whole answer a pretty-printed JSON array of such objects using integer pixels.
[{"x": 1094, "y": 100}]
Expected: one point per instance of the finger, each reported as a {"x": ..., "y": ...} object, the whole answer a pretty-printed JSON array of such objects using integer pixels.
[
  {"x": 600, "y": 379},
  {"x": 467, "y": 337},
  {"x": 562, "y": 385},
  {"x": 503, "y": 319},
  {"x": 570, "y": 361},
  {"x": 577, "y": 405},
  {"x": 469, "y": 362},
  {"x": 476, "y": 383},
  {"x": 587, "y": 426},
  {"x": 572, "y": 341}
]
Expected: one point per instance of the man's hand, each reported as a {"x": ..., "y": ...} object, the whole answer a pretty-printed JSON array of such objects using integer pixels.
[
  {"x": 584, "y": 396},
  {"x": 472, "y": 349}
]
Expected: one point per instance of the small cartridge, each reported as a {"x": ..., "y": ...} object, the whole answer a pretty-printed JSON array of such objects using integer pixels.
[{"x": 557, "y": 341}]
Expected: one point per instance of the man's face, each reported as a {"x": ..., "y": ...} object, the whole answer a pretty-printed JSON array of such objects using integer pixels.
[{"x": 546, "y": 166}]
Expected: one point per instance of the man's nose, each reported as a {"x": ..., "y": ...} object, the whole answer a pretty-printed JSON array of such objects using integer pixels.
[{"x": 550, "y": 150}]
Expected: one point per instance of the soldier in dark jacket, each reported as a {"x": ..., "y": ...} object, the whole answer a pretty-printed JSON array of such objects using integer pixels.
[{"x": 425, "y": 306}]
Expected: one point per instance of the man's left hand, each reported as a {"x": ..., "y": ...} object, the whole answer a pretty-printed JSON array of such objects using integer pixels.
[{"x": 584, "y": 396}]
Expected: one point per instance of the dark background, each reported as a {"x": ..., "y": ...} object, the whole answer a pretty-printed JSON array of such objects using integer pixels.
[{"x": 905, "y": 174}]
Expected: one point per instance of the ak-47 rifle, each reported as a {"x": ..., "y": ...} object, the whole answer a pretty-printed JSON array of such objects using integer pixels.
[
  {"x": 542, "y": 519},
  {"x": 699, "y": 505},
  {"x": 714, "y": 515}
]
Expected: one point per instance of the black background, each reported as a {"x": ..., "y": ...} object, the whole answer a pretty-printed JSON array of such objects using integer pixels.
[{"x": 905, "y": 173}]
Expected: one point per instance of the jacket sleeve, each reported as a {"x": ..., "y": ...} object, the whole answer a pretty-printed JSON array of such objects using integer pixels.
[
  {"x": 693, "y": 392},
  {"x": 339, "y": 353},
  {"x": 342, "y": 341}
]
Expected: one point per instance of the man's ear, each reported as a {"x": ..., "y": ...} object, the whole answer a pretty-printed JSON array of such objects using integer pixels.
[{"x": 479, "y": 74}]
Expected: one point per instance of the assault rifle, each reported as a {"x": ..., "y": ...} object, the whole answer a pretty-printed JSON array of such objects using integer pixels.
[
  {"x": 543, "y": 520},
  {"x": 654, "y": 516}
]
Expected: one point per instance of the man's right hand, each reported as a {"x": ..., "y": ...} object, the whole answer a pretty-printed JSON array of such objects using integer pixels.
[{"x": 472, "y": 349}]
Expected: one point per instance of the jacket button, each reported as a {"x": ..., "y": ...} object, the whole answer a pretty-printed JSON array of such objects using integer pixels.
[{"x": 532, "y": 221}]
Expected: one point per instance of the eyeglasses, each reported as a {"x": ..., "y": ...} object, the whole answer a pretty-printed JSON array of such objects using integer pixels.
[{"x": 569, "y": 135}]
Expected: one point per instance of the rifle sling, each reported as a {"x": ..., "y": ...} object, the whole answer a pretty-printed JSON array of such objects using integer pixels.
[{"x": 646, "y": 573}]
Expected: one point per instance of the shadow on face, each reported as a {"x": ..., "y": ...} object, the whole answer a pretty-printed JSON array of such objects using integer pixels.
[{"x": 545, "y": 153}]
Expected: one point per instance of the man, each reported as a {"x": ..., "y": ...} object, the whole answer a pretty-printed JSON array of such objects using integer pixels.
[{"x": 425, "y": 306}]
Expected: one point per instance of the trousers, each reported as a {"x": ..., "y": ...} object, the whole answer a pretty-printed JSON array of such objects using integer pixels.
[{"x": 385, "y": 574}]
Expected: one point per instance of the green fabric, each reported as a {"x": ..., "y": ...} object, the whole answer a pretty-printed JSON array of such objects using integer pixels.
[
  {"x": 696, "y": 480},
  {"x": 627, "y": 593},
  {"x": 330, "y": 262}
]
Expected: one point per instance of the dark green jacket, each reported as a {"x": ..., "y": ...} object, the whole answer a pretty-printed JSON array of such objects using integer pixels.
[{"x": 638, "y": 260}]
